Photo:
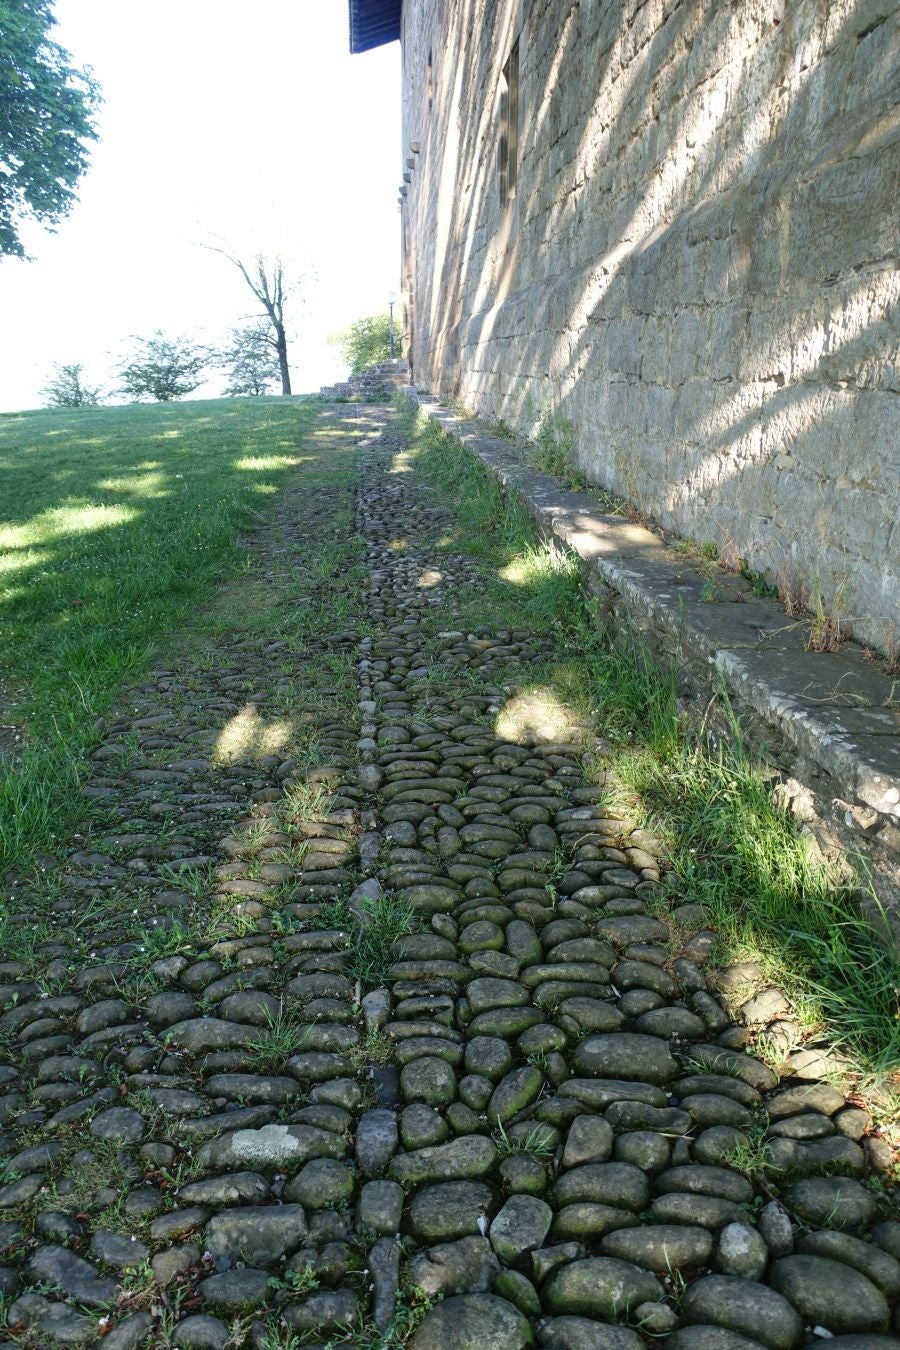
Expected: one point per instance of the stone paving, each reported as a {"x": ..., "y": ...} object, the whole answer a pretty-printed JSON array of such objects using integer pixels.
[{"x": 535, "y": 1125}]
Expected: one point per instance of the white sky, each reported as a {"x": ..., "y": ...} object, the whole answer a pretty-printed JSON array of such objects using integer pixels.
[{"x": 246, "y": 120}]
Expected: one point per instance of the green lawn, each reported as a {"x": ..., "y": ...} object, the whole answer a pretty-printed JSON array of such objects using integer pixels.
[{"x": 114, "y": 524}]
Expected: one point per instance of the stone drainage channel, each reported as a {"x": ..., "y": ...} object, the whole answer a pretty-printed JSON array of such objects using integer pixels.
[{"x": 541, "y": 1129}]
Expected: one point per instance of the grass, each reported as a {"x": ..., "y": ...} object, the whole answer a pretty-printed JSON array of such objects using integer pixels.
[
  {"x": 298, "y": 1282},
  {"x": 197, "y": 881},
  {"x": 376, "y": 1047},
  {"x": 280, "y": 1038},
  {"x": 553, "y": 450},
  {"x": 335, "y": 913},
  {"x": 411, "y": 1306},
  {"x": 175, "y": 939},
  {"x": 828, "y": 627},
  {"x": 537, "y": 1142},
  {"x": 20, "y": 942},
  {"x": 116, "y": 523},
  {"x": 524, "y": 583},
  {"x": 374, "y": 951},
  {"x": 731, "y": 847},
  {"x": 751, "y": 1155},
  {"x": 104, "y": 1169}
]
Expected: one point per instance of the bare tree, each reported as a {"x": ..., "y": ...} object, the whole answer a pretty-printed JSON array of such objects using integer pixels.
[{"x": 266, "y": 280}]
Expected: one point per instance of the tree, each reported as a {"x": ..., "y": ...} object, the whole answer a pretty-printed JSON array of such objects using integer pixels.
[
  {"x": 251, "y": 359},
  {"x": 266, "y": 281},
  {"x": 163, "y": 368},
  {"x": 66, "y": 389},
  {"x": 366, "y": 342},
  {"x": 46, "y": 115}
]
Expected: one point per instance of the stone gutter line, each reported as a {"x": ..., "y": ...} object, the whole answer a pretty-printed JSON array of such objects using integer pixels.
[{"x": 632, "y": 561}]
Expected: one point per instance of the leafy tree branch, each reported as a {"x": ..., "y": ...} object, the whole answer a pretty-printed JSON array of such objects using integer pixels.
[
  {"x": 250, "y": 357},
  {"x": 366, "y": 342},
  {"x": 47, "y": 109},
  {"x": 163, "y": 368},
  {"x": 66, "y": 388}
]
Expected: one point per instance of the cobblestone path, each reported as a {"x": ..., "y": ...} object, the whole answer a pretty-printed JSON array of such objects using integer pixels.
[{"x": 233, "y": 1117}]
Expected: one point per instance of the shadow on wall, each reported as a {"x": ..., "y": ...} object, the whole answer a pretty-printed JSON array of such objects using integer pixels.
[{"x": 692, "y": 272}]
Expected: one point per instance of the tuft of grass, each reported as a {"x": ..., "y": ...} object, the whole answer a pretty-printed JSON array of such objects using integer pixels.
[
  {"x": 374, "y": 952},
  {"x": 537, "y": 1142},
  {"x": 553, "y": 450},
  {"x": 281, "y": 1037},
  {"x": 197, "y": 881},
  {"x": 22, "y": 941},
  {"x": 751, "y": 1154},
  {"x": 335, "y": 913},
  {"x": 828, "y": 629},
  {"x": 103, "y": 1169},
  {"x": 279, "y": 1338},
  {"x": 138, "y": 1285},
  {"x": 376, "y": 1047},
  {"x": 301, "y": 802},
  {"x": 174, "y": 939},
  {"x": 295, "y": 1281}
]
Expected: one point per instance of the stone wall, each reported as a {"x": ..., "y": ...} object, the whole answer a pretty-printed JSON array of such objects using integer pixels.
[{"x": 694, "y": 279}]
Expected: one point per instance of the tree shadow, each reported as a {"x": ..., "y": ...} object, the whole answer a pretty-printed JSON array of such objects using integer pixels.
[{"x": 691, "y": 275}]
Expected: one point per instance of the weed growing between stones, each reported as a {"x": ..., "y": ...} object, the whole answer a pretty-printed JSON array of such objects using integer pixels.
[
  {"x": 283, "y": 1034},
  {"x": 386, "y": 920},
  {"x": 374, "y": 1048},
  {"x": 554, "y": 450},
  {"x": 295, "y": 1281},
  {"x": 828, "y": 623},
  {"x": 537, "y": 1142},
  {"x": 197, "y": 881},
  {"x": 411, "y": 1306},
  {"x": 750, "y": 1154}
]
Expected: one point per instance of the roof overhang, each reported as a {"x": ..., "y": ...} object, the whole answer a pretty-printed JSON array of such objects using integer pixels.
[{"x": 373, "y": 22}]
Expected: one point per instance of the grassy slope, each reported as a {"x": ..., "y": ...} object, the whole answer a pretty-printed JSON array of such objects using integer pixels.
[
  {"x": 730, "y": 847},
  {"x": 114, "y": 525}
]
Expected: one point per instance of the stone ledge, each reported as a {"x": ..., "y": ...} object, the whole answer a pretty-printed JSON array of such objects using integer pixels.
[{"x": 826, "y": 719}]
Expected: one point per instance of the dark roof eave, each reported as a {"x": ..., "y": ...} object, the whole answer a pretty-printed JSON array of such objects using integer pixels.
[{"x": 373, "y": 23}]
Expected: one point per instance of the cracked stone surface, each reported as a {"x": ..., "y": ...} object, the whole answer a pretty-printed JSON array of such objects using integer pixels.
[{"x": 215, "y": 1132}]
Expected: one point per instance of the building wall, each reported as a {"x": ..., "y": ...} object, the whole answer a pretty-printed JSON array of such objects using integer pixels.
[{"x": 697, "y": 276}]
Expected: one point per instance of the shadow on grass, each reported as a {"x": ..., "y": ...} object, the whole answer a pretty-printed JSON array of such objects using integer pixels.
[{"x": 116, "y": 523}]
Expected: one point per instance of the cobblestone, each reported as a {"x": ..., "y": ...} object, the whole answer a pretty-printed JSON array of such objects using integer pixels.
[{"x": 539, "y": 1091}]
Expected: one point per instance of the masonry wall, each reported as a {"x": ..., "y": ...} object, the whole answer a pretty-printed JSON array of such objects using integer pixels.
[{"x": 696, "y": 278}]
